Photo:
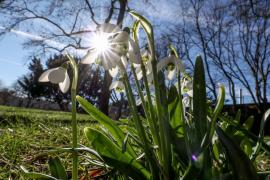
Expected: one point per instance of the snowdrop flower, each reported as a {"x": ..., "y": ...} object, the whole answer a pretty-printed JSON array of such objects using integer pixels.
[
  {"x": 58, "y": 76},
  {"x": 107, "y": 46},
  {"x": 115, "y": 71},
  {"x": 172, "y": 65},
  {"x": 186, "y": 101},
  {"x": 145, "y": 57},
  {"x": 139, "y": 101},
  {"x": 145, "y": 54},
  {"x": 134, "y": 53},
  {"x": 117, "y": 85},
  {"x": 187, "y": 87}
]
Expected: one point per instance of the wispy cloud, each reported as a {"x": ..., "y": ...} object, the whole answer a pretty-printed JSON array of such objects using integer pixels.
[
  {"x": 36, "y": 38},
  {"x": 164, "y": 10},
  {"x": 11, "y": 62}
]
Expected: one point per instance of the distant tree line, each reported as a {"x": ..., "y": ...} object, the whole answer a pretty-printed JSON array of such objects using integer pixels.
[
  {"x": 90, "y": 84},
  {"x": 233, "y": 37}
]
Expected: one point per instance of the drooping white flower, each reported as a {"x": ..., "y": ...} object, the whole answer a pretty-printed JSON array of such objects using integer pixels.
[
  {"x": 172, "y": 65},
  {"x": 134, "y": 53},
  {"x": 186, "y": 101},
  {"x": 117, "y": 85},
  {"x": 107, "y": 45},
  {"x": 58, "y": 76},
  {"x": 115, "y": 71}
]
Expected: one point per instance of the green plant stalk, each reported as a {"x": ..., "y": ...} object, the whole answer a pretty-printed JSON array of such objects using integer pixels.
[
  {"x": 149, "y": 116},
  {"x": 153, "y": 125},
  {"x": 182, "y": 112},
  {"x": 165, "y": 147},
  {"x": 180, "y": 102},
  {"x": 74, "y": 119},
  {"x": 163, "y": 128},
  {"x": 147, "y": 149}
]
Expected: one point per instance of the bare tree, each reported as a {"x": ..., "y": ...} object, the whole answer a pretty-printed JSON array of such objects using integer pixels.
[
  {"x": 233, "y": 37},
  {"x": 57, "y": 26}
]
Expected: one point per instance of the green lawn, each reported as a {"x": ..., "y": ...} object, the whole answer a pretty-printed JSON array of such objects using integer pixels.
[{"x": 26, "y": 133}]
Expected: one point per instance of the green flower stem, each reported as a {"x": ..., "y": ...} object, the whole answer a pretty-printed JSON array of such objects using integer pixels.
[
  {"x": 74, "y": 120},
  {"x": 182, "y": 112},
  {"x": 139, "y": 126},
  {"x": 149, "y": 116},
  {"x": 163, "y": 120},
  {"x": 153, "y": 125}
]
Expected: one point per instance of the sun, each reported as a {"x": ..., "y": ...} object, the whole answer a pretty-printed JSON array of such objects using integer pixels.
[{"x": 100, "y": 42}]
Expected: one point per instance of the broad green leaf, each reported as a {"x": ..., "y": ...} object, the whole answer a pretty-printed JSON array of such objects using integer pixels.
[
  {"x": 238, "y": 116},
  {"x": 108, "y": 123},
  {"x": 216, "y": 151},
  {"x": 38, "y": 176},
  {"x": 175, "y": 111},
  {"x": 57, "y": 169},
  {"x": 217, "y": 111},
  {"x": 249, "y": 122},
  {"x": 242, "y": 167},
  {"x": 114, "y": 156},
  {"x": 265, "y": 117},
  {"x": 144, "y": 22},
  {"x": 246, "y": 146},
  {"x": 199, "y": 100}
]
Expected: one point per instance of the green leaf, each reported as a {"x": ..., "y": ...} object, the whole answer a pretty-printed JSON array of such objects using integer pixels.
[
  {"x": 242, "y": 167},
  {"x": 238, "y": 116},
  {"x": 108, "y": 123},
  {"x": 135, "y": 27},
  {"x": 34, "y": 175},
  {"x": 249, "y": 122},
  {"x": 144, "y": 22},
  {"x": 175, "y": 111},
  {"x": 57, "y": 169},
  {"x": 199, "y": 100},
  {"x": 265, "y": 117},
  {"x": 246, "y": 146},
  {"x": 218, "y": 109},
  {"x": 114, "y": 156},
  {"x": 172, "y": 48}
]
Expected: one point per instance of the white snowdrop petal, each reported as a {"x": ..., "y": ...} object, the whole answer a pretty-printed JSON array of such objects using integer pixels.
[
  {"x": 114, "y": 71},
  {"x": 90, "y": 57},
  {"x": 57, "y": 75},
  {"x": 190, "y": 93},
  {"x": 171, "y": 74},
  {"x": 163, "y": 63},
  {"x": 64, "y": 86},
  {"x": 117, "y": 85},
  {"x": 134, "y": 52},
  {"x": 180, "y": 65},
  {"x": 120, "y": 85},
  {"x": 186, "y": 101},
  {"x": 45, "y": 75},
  {"x": 139, "y": 72},
  {"x": 124, "y": 61},
  {"x": 108, "y": 28},
  {"x": 121, "y": 38}
]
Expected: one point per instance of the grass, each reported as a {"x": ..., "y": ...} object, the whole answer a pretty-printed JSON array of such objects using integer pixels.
[
  {"x": 10, "y": 115},
  {"x": 26, "y": 133}
]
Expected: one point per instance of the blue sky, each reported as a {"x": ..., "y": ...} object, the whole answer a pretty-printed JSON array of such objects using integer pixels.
[{"x": 13, "y": 59}]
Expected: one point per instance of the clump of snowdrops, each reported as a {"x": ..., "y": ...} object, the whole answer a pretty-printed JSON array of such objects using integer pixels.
[{"x": 180, "y": 136}]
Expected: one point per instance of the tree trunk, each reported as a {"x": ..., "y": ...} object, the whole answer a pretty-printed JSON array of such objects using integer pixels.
[{"x": 105, "y": 95}]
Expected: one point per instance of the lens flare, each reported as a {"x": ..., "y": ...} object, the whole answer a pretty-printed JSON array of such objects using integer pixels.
[{"x": 100, "y": 42}]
